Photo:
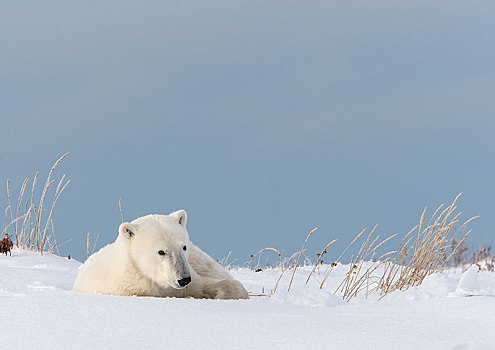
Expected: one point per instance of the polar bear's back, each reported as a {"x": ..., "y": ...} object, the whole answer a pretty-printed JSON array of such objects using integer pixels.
[
  {"x": 205, "y": 266},
  {"x": 97, "y": 273}
]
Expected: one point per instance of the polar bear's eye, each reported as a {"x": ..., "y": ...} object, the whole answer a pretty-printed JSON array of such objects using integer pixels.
[
  {"x": 184, "y": 247},
  {"x": 161, "y": 252}
]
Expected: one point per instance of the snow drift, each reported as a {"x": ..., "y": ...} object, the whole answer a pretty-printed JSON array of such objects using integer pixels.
[{"x": 40, "y": 310}]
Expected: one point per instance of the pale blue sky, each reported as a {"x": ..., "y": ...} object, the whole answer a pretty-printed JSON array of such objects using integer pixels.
[{"x": 263, "y": 119}]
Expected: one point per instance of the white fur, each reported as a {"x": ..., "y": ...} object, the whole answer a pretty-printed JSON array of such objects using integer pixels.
[{"x": 132, "y": 266}]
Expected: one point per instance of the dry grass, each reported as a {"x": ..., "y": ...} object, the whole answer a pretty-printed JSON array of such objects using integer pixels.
[
  {"x": 259, "y": 253},
  {"x": 361, "y": 277},
  {"x": 320, "y": 259},
  {"x": 286, "y": 264},
  {"x": 26, "y": 219},
  {"x": 121, "y": 212},
  {"x": 426, "y": 249},
  {"x": 483, "y": 257},
  {"x": 299, "y": 256},
  {"x": 426, "y": 252}
]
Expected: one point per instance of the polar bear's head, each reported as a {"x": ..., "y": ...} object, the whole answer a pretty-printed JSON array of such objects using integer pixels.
[{"x": 159, "y": 246}]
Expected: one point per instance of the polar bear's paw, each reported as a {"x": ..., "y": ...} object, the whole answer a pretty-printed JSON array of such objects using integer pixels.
[{"x": 226, "y": 289}]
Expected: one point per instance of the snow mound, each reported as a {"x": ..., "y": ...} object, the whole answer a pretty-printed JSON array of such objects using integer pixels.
[
  {"x": 475, "y": 283},
  {"x": 468, "y": 283}
]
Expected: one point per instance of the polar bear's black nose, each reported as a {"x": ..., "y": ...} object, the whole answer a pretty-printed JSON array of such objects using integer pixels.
[{"x": 184, "y": 282}]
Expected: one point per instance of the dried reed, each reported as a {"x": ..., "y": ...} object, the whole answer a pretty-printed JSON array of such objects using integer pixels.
[
  {"x": 299, "y": 255},
  {"x": 121, "y": 213},
  {"x": 34, "y": 234},
  {"x": 428, "y": 253},
  {"x": 417, "y": 256},
  {"x": 320, "y": 256}
]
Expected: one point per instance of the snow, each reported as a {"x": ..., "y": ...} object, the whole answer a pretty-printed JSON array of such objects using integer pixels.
[
  {"x": 469, "y": 283},
  {"x": 39, "y": 310}
]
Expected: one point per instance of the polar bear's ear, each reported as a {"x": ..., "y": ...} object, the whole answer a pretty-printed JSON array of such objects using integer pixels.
[
  {"x": 127, "y": 229},
  {"x": 181, "y": 216}
]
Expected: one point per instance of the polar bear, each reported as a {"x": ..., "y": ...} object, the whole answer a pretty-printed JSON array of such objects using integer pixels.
[{"x": 153, "y": 256}]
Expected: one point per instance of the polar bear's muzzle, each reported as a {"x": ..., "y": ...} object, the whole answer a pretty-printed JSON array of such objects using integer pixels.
[{"x": 183, "y": 275}]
